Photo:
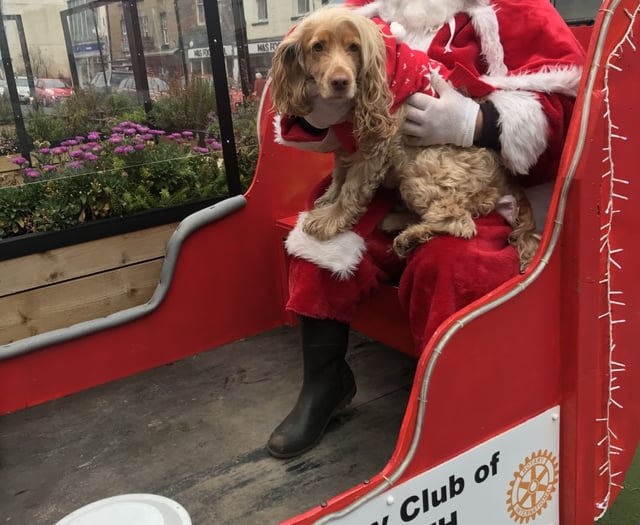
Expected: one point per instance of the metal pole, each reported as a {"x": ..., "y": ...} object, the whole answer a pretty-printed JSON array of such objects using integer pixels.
[
  {"x": 243, "y": 47},
  {"x": 132, "y": 23},
  {"x": 64, "y": 18},
  {"x": 23, "y": 138},
  {"x": 185, "y": 71},
  {"x": 95, "y": 25},
  {"x": 218, "y": 67}
]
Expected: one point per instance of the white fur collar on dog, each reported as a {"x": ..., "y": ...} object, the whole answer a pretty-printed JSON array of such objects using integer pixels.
[{"x": 340, "y": 255}]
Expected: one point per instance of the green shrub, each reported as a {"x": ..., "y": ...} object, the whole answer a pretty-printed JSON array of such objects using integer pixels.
[
  {"x": 134, "y": 169},
  {"x": 186, "y": 107}
]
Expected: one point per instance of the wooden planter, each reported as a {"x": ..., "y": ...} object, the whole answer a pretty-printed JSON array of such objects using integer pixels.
[{"x": 60, "y": 287}]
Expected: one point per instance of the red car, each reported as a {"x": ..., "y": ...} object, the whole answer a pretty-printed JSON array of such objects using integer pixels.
[{"x": 52, "y": 90}]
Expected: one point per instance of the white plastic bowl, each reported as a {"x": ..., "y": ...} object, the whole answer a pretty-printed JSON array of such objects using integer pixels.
[{"x": 129, "y": 509}]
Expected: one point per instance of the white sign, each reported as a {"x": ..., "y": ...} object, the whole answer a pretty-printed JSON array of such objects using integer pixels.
[{"x": 509, "y": 479}]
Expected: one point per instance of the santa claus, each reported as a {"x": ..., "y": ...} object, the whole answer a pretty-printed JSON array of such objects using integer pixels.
[{"x": 511, "y": 70}]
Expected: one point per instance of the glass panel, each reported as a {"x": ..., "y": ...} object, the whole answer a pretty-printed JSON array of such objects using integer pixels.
[
  {"x": 119, "y": 111},
  {"x": 577, "y": 10}
]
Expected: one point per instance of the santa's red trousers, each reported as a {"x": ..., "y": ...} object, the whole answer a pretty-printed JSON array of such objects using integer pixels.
[{"x": 437, "y": 279}]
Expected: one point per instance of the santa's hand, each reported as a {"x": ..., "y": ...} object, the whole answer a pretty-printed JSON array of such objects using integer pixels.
[
  {"x": 450, "y": 119},
  {"x": 327, "y": 112}
]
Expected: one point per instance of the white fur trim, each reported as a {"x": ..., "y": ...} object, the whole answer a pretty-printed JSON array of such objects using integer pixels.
[
  {"x": 370, "y": 10},
  {"x": 398, "y": 31},
  {"x": 328, "y": 144},
  {"x": 341, "y": 255},
  {"x": 564, "y": 80},
  {"x": 523, "y": 125},
  {"x": 485, "y": 22}
]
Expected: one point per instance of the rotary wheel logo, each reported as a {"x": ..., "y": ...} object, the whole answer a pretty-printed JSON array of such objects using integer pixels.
[{"x": 533, "y": 486}]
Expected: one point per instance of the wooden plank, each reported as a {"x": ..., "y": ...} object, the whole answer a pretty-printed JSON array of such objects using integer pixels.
[
  {"x": 67, "y": 303},
  {"x": 71, "y": 262}
]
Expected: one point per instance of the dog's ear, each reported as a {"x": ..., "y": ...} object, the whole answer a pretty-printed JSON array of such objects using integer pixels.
[
  {"x": 372, "y": 118},
  {"x": 288, "y": 79}
]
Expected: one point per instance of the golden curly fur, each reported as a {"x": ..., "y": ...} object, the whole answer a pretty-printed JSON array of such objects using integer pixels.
[{"x": 338, "y": 53}]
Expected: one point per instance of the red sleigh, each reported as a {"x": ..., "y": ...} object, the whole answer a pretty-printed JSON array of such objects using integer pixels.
[{"x": 524, "y": 406}]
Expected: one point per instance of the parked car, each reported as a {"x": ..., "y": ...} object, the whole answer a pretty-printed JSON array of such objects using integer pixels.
[
  {"x": 157, "y": 87},
  {"x": 52, "y": 90},
  {"x": 109, "y": 80},
  {"x": 24, "y": 93}
]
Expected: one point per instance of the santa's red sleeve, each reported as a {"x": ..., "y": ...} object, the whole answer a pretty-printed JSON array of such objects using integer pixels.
[{"x": 523, "y": 58}]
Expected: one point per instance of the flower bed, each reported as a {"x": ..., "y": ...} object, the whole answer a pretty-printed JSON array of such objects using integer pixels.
[{"x": 97, "y": 176}]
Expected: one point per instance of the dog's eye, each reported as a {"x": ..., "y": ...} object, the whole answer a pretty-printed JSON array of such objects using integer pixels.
[
  {"x": 317, "y": 47},
  {"x": 354, "y": 48}
]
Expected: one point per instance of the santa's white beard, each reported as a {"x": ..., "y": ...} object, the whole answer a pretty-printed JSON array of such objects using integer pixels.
[{"x": 420, "y": 16}]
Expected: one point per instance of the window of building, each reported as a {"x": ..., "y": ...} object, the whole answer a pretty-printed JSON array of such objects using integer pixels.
[
  {"x": 303, "y": 7},
  {"x": 144, "y": 27},
  {"x": 125, "y": 37},
  {"x": 262, "y": 10},
  {"x": 200, "y": 12},
  {"x": 164, "y": 28}
]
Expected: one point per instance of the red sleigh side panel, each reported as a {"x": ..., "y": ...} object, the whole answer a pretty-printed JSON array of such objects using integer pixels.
[{"x": 557, "y": 342}]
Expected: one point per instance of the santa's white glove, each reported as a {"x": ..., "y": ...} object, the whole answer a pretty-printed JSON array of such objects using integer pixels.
[
  {"x": 327, "y": 112},
  {"x": 450, "y": 119}
]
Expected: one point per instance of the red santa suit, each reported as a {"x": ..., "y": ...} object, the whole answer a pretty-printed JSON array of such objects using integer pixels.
[{"x": 520, "y": 56}]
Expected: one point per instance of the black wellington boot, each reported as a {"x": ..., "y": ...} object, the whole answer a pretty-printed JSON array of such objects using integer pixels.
[{"x": 328, "y": 385}]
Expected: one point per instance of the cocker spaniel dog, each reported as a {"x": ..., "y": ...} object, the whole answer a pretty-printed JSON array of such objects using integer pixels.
[{"x": 336, "y": 53}]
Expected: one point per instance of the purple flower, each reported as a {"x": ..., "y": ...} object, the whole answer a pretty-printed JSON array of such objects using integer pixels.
[
  {"x": 117, "y": 129},
  {"x": 19, "y": 161},
  {"x": 44, "y": 151},
  {"x": 128, "y": 149},
  {"x": 93, "y": 135},
  {"x": 198, "y": 149},
  {"x": 146, "y": 136},
  {"x": 174, "y": 136},
  {"x": 31, "y": 173},
  {"x": 118, "y": 149},
  {"x": 70, "y": 142},
  {"x": 115, "y": 139},
  {"x": 187, "y": 133},
  {"x": 76, "y": 154},
  {"x": 130, "y": 131},
  {"x": 80, "y": 138},
  {"x": 76, "y": 164},
  {"x": 63, "y": 149},
  {"x": 49, "y": 167},
  {"x": 57, "y": 151},
  {"x": 215, "y": 145},
  {"x": 139, "y": 146},
  {"x": 91, "y": 157}
]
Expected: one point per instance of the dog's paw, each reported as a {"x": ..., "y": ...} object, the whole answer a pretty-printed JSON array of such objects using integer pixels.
[
  {"x": 320, "y": 226},
  {"x": 406, "y": 241},
  {"x": 465, "y": 229},
  {"x": 324, "y": 200}
]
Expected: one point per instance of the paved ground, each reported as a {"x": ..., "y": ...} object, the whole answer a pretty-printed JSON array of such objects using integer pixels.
[{"x": 195, "y": 431}]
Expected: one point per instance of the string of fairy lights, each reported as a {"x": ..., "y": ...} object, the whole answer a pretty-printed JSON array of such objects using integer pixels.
[{"x": 615, "y": 298}]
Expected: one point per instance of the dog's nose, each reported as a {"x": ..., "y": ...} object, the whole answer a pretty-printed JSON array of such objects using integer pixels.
[{"x": 340, "y": 83}]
